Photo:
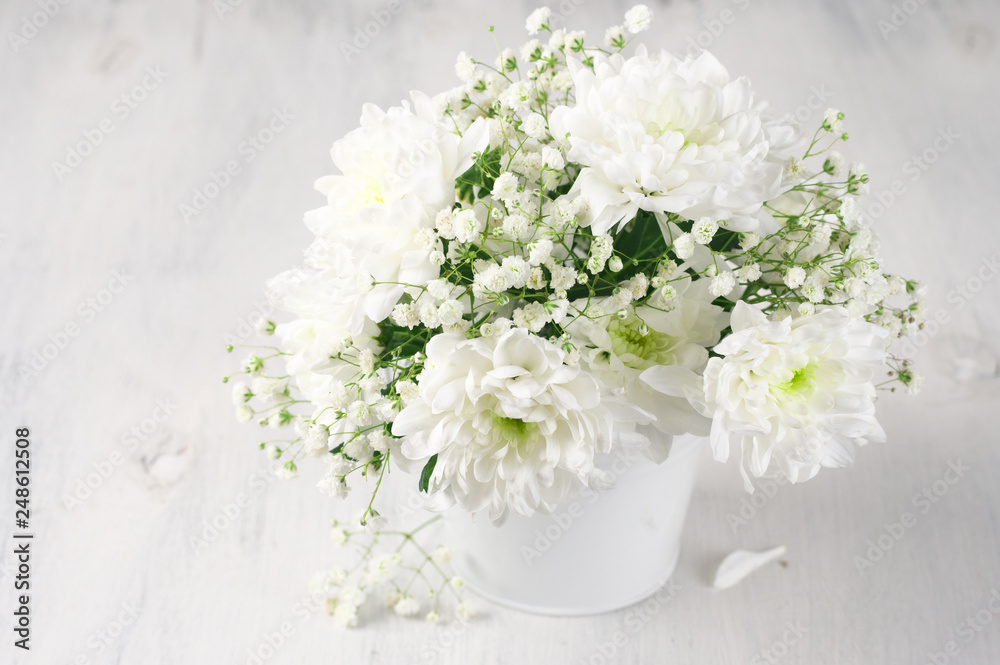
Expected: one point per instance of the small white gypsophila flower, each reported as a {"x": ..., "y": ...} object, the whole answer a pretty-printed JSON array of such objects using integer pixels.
[
  {"x": 529, "y": 49},
  {"x": 286, "y": 472},
  {"x": 833, "y": 120},
  {"x": 517, "y": 97},
  {"x": 516, "y": 270},
  {"x": 538, "y": 20},
  {"x": 834, "y": 163},
  {"x": 851, "y": 212},
  {"x": 915, "y": 383},
  {"x": 563, "y": 277},
  {"x": 457, "y": 583},
  {"x": 465, "y": 67},
  {"x": 553, "y": 158},
  {"x": 442, "y": 554},
  {"x": 638, "y": 19},
  {"x": 467, "y": 226},
  {"x": 535, "y": 127},
  {"x": 339, "y": 535},
  {"x": 638, "y": 285},
  {"x": 704, "y": 230},
  {"x": 379, "y": 440},
  {"x": 794, "y": 169},
  {"x": 243, "y": 413},
  {"x": 464, "y": 612},
  {"x": 614, "y": 36},
  {"x": 517, "y": 226},
  {"x": 405, "y": 314},
  {"x": 794, "y": 277},
  {"x": 540, "y": 251},
  {"x": 432, "y": 617},
  {"x": 241, "y": 393},
  {"x": 684, "y": 246},
  {"x": 358, "y": 449},
  {"x": 749, "y": 272},
  {"x": 407, "y": 606},
  {"x": 557, "y": 40},
  {"x": 408, "y": 391},
  {"x": 722, "y": 284},
  {"x": 443, "y": 223},
  {"x": 360, "y": 413},
  {"x": 450, "y": 312},
  {"x": 366, "y": 361},
  {"x": 265, "y": 327},
  {"x": 748, "y": 241},
  {"x": 439, "y": 289},
  {"x": 806, "y": 309},
  {"x": 505, "y": 187},
  {"x": 532, "y": 317},
  {"x": 429, "y": 315}
]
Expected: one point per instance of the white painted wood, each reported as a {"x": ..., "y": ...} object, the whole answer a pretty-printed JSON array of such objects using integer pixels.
[{"x": 161, "y": 338}]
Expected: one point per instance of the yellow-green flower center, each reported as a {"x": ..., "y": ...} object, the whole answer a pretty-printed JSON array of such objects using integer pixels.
[
  {"x": 637, "y": 350},
  {"x": 514, "y": 432},
  {"x": 802, "y": 384}
]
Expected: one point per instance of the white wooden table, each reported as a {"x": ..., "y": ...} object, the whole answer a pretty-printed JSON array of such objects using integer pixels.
[{"x": 102, "y": 244}]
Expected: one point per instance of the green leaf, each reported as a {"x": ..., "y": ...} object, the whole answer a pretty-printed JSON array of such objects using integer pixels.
[{"x": 425, "y": 475}]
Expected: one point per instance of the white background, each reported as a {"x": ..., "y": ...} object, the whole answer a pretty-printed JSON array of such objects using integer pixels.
[{"x": 161, "y": 338}]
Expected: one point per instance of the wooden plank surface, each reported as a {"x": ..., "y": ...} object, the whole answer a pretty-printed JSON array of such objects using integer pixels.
[{"x": 197, "y": 84}]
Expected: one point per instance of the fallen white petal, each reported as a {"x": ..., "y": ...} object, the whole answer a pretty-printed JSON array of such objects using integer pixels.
[{"x": 741, "y": 563}]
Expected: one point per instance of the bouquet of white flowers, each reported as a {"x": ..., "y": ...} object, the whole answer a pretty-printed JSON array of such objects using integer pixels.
[{"x": 579, "y": 250}]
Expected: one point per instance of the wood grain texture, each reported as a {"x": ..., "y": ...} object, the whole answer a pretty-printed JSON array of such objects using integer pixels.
[{"x": 161, "y": 337}]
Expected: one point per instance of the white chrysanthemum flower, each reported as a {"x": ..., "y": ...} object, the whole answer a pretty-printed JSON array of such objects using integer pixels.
[
  {"x": 398, "y": 171},
  {"x": 661, "y": 134},
  {"x": 653, "y": 357},
  {"x": 796, "y": 393},
  {"x": 513, "y": 428}
]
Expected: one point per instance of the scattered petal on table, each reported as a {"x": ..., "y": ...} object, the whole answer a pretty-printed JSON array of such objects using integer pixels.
[{"x": 741, "y": 563}]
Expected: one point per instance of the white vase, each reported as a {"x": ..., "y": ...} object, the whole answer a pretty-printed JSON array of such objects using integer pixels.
[{"x": 597, "y": 553}]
